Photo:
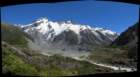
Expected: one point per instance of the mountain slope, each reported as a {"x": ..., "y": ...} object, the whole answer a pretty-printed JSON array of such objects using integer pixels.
[
  {"x": 18, "y": 59},
  {"x": 123, "y": 51},
  {"x": 14, "y": 35},
  {"x": 128, "y": 38},
  {"x": 54, "y": 35}
]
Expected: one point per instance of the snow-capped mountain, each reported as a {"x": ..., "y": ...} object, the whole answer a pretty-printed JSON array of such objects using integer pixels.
[{"x": 50, "y": 34}]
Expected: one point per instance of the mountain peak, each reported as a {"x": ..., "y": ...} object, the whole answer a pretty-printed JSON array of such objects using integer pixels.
[
  {"x": 42, "y": 19},
  {"x": 54, "y": 28}
]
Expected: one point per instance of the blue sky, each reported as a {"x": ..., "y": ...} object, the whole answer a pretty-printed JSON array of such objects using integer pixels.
[{"x": 115, "y": 16}]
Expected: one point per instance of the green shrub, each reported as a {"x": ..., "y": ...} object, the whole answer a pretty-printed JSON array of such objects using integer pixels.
[
  {"x": 115, "y": 56},
  {"x": 13, "y": 35},
  {"x": 17, "y": 66}
]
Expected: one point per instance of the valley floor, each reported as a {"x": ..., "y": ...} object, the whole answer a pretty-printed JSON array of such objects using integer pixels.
[
  {"x": 82, "y": 56},
  {"x": 78, "y": 55}
]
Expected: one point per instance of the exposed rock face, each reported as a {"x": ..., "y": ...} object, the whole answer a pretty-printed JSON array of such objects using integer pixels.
[{"x": 53, "y": 35}]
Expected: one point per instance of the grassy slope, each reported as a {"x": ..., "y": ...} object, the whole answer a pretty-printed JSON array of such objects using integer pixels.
[
  {"x": 114, "y": 56},
  {"x": 13, "y": 35},
  {"x": 127, "y": 36},
  {"x": 14, "y": 65},
  {"x": 11, "y": 62},
  {"x": 46, "y": 66}
]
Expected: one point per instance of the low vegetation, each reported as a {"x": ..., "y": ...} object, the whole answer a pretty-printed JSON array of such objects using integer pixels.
[
  {"x": 40, "y": 65},
  {"x": 14, "y": 35},
  {"x": 18, "y": 59},
  {"x": 123, "y": 50},
  {"x": 14, "y": 65},
  {"x": 114, "y": 56}
]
